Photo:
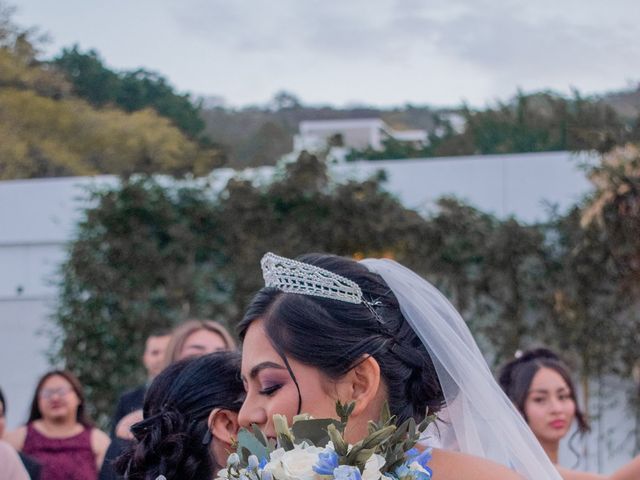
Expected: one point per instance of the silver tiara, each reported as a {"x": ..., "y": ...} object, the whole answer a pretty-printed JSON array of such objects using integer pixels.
[{"x": 291, "y": 276}]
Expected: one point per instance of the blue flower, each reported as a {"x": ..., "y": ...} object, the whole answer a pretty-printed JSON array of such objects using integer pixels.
[
  {"x": 402, "y": 471},
  {"x": 263, "y": 462},
  {"x": 411, "y": 454},
  {"x": 423, "y": 458},
  {"x": 327, "y": 463},
  {"x": 415, "y": 468},
  {"x": 346, "y": 472}
]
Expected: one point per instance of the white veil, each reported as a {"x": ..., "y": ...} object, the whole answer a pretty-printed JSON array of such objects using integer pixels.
[{"x": 481, "y": 419}]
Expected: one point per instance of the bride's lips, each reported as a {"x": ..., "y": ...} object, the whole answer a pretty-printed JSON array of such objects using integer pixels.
[{"x": 558, "y": 424}]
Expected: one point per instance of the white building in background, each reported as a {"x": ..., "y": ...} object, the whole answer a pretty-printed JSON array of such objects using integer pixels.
[
  {"x": 359, "y": 134},
  {"x": 39, "y": 217}
]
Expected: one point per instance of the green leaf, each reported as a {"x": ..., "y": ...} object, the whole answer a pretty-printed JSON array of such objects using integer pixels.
[
  {"x": 285, "y": 442},
  {"x": 314, "y": 430},
  {"x": 339, "y": 444},
  {"x": 251, "y": 443}
]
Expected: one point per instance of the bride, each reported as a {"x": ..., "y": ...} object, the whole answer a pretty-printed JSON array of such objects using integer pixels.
[{"x": 326, "y": 328}]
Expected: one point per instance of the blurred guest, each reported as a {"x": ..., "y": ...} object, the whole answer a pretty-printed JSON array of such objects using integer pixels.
[
  {"x": 131, "y": 401},
  {"x": 191, "y": 338},
  {"x": 540, "y": 386},
  {"x": 153, "y": 360},
  {"x": 198, "y": 337},
  {"x": 33, "y": 468},
  {"x": 59, "y": 434},
  {"x": 12, "y": 467},
  {"x": 190, "y": 420}
]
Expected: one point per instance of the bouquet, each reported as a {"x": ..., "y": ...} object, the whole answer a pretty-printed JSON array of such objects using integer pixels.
[{"x": 315, "y": 449}]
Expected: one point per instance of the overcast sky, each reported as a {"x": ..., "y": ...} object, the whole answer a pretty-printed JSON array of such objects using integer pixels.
[{"x": 339, "y": 52}]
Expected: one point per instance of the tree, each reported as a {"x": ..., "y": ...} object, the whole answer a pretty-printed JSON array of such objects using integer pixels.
[
  {"x": 145, "y": 257},
  {"x": 132, "y": 91},
  {"x": 46, "y": 131},
  {"x": 46, "y": 137},
  {"x": 90, "y": 78}
]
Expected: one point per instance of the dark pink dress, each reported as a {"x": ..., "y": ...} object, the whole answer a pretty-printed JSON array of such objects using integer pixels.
[{"x": 62, "y": 458}]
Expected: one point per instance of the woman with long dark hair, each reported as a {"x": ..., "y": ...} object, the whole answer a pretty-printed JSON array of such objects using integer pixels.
[
  {"x": 540, "y": 386},
  {"x": 190, "y": 420},
  {"x": 58, "y": 433}
]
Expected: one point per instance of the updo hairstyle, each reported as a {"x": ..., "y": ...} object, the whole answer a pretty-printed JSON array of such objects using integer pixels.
[
  {"x": 334, "y": 336},
  {"x": 173, "y": 438}
]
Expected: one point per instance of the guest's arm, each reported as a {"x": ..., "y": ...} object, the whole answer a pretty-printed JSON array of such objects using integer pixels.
[
  {"x": 123, "y": 429},
  {"x": 99, "y": 444},
  {"x": 16, "y": 437},
  {"x": 631, "y": 471}
]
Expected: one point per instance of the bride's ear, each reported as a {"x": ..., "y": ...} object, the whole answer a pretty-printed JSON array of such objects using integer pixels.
[
  {"x": 223, "y": 425},
  {"x": 363, "y": 383}
]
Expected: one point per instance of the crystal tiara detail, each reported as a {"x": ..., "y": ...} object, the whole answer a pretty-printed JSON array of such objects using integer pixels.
[{"x": 291, "y": 276}]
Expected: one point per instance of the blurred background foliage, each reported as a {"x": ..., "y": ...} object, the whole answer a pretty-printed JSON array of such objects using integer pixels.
[{"x": 152, "y": 252}]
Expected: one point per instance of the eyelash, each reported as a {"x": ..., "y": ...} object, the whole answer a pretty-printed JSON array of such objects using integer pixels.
[{"x": 270, "y": 390}]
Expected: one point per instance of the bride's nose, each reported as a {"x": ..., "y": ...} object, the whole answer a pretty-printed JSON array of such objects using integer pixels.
[{"x": 250, "y": 414}]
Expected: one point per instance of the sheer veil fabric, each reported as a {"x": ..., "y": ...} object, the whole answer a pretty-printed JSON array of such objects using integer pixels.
[{"x": 481, "y": 420}]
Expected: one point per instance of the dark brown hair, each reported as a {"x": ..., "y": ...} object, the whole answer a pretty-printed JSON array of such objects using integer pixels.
[
  {"x": 172, "y": 439},
  {"x": 333, "y": 336},
  {"x": 81, "y": 415}
]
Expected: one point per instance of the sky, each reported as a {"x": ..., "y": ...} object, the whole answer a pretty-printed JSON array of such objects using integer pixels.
[{"x": 356, "y": 52}]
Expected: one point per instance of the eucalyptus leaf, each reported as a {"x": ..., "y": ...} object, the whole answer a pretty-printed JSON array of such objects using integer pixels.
[
  {"x": 285, "y": 441},
  {"x": 249, "y": 442},
  {"x": 314, "y": 430},
  {"x": 259, "y": 435},
  {"x": 339, "y": 444}
]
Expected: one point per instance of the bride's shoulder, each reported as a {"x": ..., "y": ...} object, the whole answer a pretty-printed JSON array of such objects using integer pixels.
[{"x": 449, "y": 465}]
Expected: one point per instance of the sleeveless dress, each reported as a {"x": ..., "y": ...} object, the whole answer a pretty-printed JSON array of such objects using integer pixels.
[{"x": 69, "y": 458}]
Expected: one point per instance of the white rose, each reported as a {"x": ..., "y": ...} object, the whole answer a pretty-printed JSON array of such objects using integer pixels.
[
  {"x": 296, "y": 464},
  {"x": 372, "y": 467},
  {"x": 415, "y": 466},
  {"x": 223, "y": 473}
]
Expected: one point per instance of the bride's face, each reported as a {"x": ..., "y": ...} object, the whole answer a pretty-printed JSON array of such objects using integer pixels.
[{"x": 271, "y": 389}]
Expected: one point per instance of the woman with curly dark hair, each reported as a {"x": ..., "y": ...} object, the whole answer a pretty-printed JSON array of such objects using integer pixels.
[{"x": 190, "y": 420}]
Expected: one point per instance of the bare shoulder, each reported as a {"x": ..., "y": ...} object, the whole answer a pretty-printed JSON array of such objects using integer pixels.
[
  {"x": 16, "y": 437},
  {"x": 99, "y": 443},
  {"x": 99, "y": 439},
  {"x": 449, "y": 465}
]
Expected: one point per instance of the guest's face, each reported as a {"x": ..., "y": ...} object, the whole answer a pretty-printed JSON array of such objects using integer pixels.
[
  {"x": 154, "y": 350},
  {"x": 201, "y": 342},
  {"x": 271, "y": 390},
  {"x": 549, "y": 406},
  {"x": 57, "y": 400}
]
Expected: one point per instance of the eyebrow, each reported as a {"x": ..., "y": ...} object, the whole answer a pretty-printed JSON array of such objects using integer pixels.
[
  {"x": 263, "y": 366},
  {"x": 541, "y": 390}
]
